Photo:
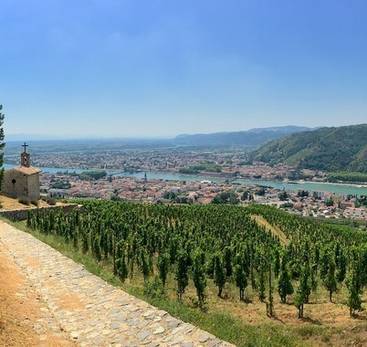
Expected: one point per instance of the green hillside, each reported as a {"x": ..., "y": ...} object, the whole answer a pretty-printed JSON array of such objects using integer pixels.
[
  {"x": 328, "y": 149},
  {"x": 237, "y": 272}
]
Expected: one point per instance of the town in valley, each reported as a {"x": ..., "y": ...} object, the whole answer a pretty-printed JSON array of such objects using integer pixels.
[
  {"x": 188, "y": 176},
  {"x": 183, "y": 173}
]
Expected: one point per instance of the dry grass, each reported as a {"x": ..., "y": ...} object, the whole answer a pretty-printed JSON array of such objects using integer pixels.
[
  {"x": 273, "y": 229},
  {"x": 7, "y": 203},
  {"x": 325, "y": 323}
]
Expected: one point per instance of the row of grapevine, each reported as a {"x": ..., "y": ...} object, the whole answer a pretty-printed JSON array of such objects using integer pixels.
[{"x": 222, "y": 244}]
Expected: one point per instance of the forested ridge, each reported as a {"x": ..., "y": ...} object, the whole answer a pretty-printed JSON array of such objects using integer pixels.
[
  {"x": 221, "y": 245},
  {"x": 252, "y": 137},
  {"x": 329, "y": 149}
]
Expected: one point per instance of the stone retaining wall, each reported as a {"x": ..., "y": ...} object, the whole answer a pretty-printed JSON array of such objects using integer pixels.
[{"x": 21, "y": 214}]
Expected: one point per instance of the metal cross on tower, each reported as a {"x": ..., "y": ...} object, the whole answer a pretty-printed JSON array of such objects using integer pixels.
[{"x": 25, "y": 147}]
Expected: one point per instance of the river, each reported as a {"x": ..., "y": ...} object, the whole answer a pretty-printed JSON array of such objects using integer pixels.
[{"x": 336, "y": 188}]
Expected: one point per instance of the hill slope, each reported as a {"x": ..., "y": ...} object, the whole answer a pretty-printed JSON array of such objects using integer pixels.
[
  {"x": 329, "y": 149},
  {"x": 253, "y": 137}
]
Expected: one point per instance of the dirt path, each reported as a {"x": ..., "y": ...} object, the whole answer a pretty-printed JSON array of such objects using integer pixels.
[
  {"x": 24, "y": 318},
  {"x": 87, "y": 309},
  {"x": 273, "y": 229}
]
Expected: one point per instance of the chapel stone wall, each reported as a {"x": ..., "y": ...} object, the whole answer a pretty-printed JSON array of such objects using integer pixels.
[{"x": 15, "y": 185}]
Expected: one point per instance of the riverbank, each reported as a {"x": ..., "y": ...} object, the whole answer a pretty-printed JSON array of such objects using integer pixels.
[{"x": 323, "y": 187}]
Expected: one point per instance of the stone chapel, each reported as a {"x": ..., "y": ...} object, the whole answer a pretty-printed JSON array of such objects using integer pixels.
[{"x": 22, "y": 182}]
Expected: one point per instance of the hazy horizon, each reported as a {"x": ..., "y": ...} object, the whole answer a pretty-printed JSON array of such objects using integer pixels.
[
  {"x": 51, "y": 137},
  {"x": 138, "y": 69}
]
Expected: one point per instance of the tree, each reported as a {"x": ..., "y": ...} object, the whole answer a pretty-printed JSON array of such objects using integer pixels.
[
  {"x": 96, "y": 247},
  {"x": 252, "y": 271},
  {"x": 261, "y": 285},
  {"x": 75, "y": 238},
  {"x": 121, "y": 267},
  {"x": 228, "y": 261},
  {"x": 145, "y": 264},
  {"x": 276, "y": 263},
  {"x": 261, "y": 191},
  {"x": 342, "y": 266},
  {"x": 114, "y": 255},
  {"x": 302, "y": 291},
  {"x": 198, "y": 275},
  {"x": 354, "y": 292},
  {"x": 270, "y": 305},
  {"x": 241, "y": 280},
  {"x": 330, "y": 280},
  {"x": 226, "y": 198},
  {"x": 181, "y": 273},
  {"x": 329, "y": 202},
  {"x": 2, "y": 145},
  {"x": 284, "y": 284},
  {"x": 163, "y": 267},
  {"x": 92, "y": 175},
  {"x": 85, "y": 244},
  {"x": 325, "y": 260},
  {"x": 219, "y": 275},
  {"x": 103, "y": 244},
  {"x": 246, "y": 195},
  {"x": 303, "y": 193},
  {"x": 313, "y": 274},
  {"x": 283, "y": 196},
  {"x": 236, "y": 249}
]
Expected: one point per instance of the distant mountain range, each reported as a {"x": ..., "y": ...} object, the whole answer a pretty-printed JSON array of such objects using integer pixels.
[
  {"x": 252, "y": 137},
  {"x": 329, "y": 149}
]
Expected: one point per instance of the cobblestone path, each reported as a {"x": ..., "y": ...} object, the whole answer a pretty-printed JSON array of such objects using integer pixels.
[{"x": 87, "y": 309}]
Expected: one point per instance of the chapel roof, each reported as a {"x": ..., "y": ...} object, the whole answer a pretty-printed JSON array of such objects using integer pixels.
[{"x": 27, "y": 170}]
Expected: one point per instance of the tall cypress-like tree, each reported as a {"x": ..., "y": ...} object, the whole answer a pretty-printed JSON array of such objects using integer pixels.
[
  {"x": 354, "y": 291},
  {"x": 341, "y": 263},
  {"x": 96, "y": 250},
  {"x": 270, "y": 304},
  {"x": 302, "y": 291},
  {"x": 227, "y": 259},
  {"x": 330, "y": 280},
  {"x": 145, "y": 264},
  {"x": 121, "y": 266},
  {"x": 276, "y": 263},
  {"x": 284, "y": 284},
  {"x": 163, "y": 267},
  {"x": 309, "y": 284},
  {"x": 219, "y": 273},
  {"x": 261, "y": 293},
  {"x": 313, "y": 274},
  {"x": 2, "y": 145},
  {"x": 241, "y": 280},
  {"x": 182, "y": 277},
  {"x": 198, "y": 275}
]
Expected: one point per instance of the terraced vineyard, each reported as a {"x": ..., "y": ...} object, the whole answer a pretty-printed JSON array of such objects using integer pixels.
[{"x": 223, "y": 258}]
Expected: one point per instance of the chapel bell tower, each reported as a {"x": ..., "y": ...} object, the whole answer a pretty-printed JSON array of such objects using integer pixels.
[{"x": 25, "y": 157}]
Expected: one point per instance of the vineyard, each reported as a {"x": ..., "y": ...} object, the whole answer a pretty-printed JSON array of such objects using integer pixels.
[{"x": 222, "y": 254}]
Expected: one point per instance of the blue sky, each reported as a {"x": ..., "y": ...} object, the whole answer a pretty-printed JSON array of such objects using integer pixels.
[{"x": 163, "y": 67}]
